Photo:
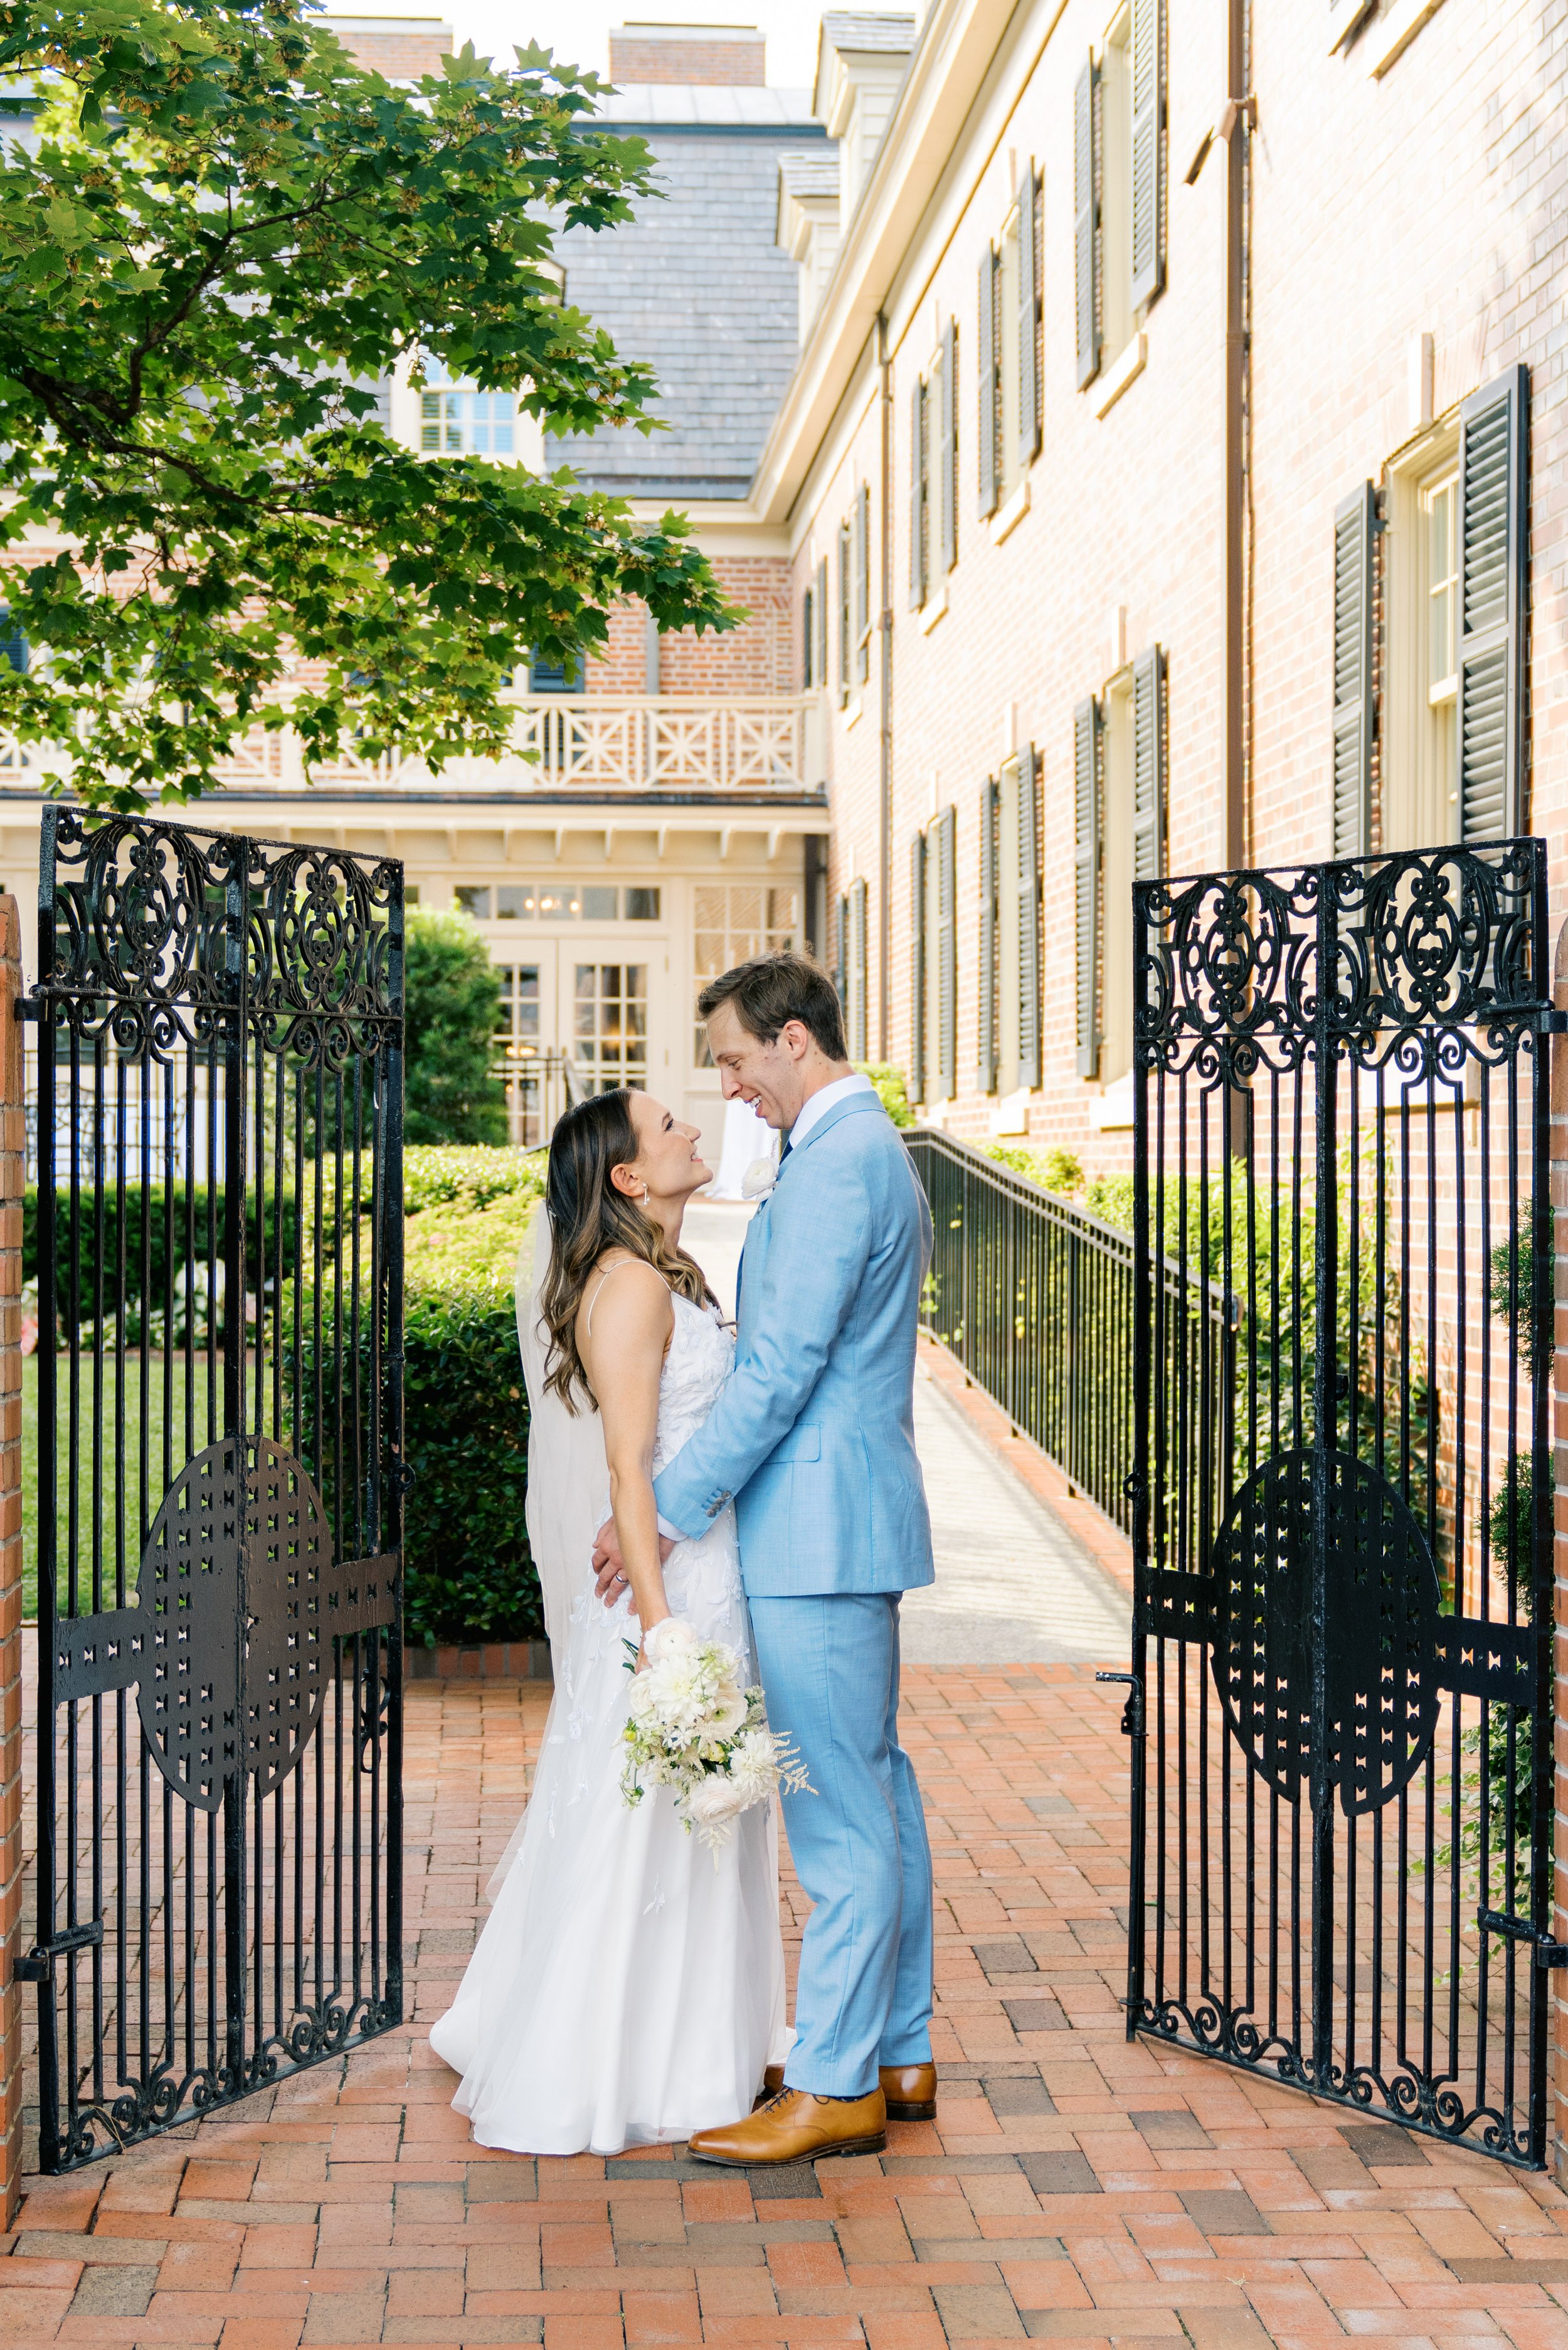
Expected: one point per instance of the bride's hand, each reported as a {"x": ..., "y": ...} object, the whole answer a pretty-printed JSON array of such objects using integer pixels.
[{"x": 609, "y": 1570}]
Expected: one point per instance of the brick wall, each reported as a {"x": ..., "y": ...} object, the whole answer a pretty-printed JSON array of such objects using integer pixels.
[
  {"x": 11, "y": 1164},
  {"x": 722, "y": 54},
  {"x": 401, "y": 50},
  {"x": 758, "y": 657},
  {"x": 1425, "y": 202}
]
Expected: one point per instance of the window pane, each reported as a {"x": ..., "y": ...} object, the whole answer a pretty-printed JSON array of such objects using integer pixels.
[
  {"x": 514, "y": 902},
  {"x": 474, "y": 901},
  {"x": 642, "y": 905},
  {"x": 598, "y": 905}
]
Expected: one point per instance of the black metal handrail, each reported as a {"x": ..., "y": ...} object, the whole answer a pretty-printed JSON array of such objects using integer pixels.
[{"x": 1034, "y": 1297}]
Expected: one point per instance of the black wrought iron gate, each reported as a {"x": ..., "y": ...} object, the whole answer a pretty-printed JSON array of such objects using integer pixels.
[
  {"x": 219, "y": 1024},
  {"x": 1343, "y": 1799}
]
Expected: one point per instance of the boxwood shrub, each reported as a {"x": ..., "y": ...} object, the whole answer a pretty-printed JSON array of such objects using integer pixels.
[{"x": 468, "y": 1573}]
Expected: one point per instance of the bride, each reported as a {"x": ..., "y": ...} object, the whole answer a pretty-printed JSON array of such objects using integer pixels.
[{"x": 629, "y": 1984}]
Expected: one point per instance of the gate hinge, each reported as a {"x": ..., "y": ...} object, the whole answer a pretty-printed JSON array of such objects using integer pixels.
[
  {"x": 1546, "y": 1951},
  {"x": 1132, "y": 1713},
  {"x": 1551, "y": 1022},
  {"x": 35, "y": 1965}
]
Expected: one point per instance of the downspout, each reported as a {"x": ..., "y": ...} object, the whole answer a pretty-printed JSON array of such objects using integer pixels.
[
  {"x": 1236, "y": 127},
  {"x": 885, "y": 742}
]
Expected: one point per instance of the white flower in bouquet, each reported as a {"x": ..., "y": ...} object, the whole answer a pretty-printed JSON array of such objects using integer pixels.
[{"x": 693, "y": 1725}]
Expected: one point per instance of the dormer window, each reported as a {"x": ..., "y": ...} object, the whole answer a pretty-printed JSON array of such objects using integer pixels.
[{"x": 457, "y": 420}]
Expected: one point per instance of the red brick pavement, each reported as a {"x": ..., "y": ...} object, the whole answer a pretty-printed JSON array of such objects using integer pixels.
[{"x": 1071, "y": 2186}]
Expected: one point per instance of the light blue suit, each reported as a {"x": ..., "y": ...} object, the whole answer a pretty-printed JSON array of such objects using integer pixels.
[{"x": 813, "y": 1438}]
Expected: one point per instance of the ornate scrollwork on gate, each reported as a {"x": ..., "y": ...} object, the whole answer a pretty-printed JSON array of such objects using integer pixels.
[
  {"x": 163, "y": 932},
  {"x": 1232, "y": 959},
  {"x": 1379, "y": 1628},
  {"x": 231, "y": 1634}
]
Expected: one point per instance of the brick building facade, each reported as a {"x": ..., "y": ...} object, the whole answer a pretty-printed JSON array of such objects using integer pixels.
[{"x": 1063, "y": 544}]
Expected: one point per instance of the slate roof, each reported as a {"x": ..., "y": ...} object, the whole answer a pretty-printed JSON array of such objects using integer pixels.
[
  {"x": 858, "y": 29},
  {"x": 696, "y": 286}
]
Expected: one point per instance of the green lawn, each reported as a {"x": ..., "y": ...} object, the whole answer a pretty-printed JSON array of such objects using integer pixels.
[{"x": 141, "y": 1411}]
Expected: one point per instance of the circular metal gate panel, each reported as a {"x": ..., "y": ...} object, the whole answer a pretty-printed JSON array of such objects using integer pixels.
[
  {"x": 1380, "y": 1663},
  {"x": 218, "y": 1695}
]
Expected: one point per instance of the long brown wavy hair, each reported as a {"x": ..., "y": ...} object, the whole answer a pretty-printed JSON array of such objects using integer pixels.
[{"x": 588, "y": 1215}]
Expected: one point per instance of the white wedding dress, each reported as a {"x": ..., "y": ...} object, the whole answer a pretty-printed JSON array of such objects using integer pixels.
[{"x": 629, "y": 1985}]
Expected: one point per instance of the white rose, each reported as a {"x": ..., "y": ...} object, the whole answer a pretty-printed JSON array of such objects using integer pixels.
[
  {"x": 665, "y": 1638},
  {"x": 712, "y": 1800},
  {"x": 730, "y": 1710}
]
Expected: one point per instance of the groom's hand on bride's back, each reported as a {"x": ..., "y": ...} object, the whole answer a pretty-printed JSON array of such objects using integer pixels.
[{"x": 607, "y": 1567}]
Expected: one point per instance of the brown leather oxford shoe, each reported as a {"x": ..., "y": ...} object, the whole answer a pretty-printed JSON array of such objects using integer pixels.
[
  {"x": 795, "y": 2126},
  {"x": 910, "y": 2091}
]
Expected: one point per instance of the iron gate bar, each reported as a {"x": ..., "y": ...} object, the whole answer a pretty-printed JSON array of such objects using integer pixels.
[
  {"x": 223, "y": 1015},
  {"x": 1034, "y": 1296},
  {"x": 1388, "y": 1408}
]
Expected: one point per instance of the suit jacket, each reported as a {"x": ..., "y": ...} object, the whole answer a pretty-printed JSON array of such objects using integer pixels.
[{"x": 813, "y": 1435}]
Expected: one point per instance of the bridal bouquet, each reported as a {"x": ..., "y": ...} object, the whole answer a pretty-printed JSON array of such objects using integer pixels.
[{"x": 693, "y": 1726}]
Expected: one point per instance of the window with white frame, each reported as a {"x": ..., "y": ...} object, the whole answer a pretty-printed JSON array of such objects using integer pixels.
[
  {"x": 556, "y": 901},
  {"x": 1454, "y": 563},
  {"x": 1419, "y": 795},
  {"x": 456, "y": 421},
  {"x": 1118, "y": 187},
  {"x": 733, "y": 923},
  {"x": 610, "y": 1023}
]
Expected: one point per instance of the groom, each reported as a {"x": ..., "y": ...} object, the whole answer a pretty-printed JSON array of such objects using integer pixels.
[{"x": 812, "y": 1439}]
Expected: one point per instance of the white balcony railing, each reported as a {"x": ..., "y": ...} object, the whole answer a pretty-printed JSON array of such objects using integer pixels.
[{"x": 596, "y": 744}]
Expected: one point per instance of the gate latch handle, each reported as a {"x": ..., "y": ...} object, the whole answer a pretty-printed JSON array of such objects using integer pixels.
[
  {"x": 1132, "y": 1713},
  {"x": 36, "y": 1965},
  {"x": 1545, "y": 1951}
]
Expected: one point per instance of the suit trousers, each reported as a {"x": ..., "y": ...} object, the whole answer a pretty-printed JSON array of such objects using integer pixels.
[{"x": 830, "y": 1671}]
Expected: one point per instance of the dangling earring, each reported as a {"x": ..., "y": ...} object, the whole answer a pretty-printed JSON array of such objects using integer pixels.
[{"x": 643, "y": 1201}]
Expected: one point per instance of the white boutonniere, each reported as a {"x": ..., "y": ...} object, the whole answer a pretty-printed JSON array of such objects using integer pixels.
[{"x": 759, "y": 1179}]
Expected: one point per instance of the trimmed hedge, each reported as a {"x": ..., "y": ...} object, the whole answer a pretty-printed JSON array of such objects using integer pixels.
[
  {"x": 469, "y": 1575},
  {"x": 468, "y": 1572}
]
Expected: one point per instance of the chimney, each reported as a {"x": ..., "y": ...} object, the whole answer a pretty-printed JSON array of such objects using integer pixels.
[
  {"x": 402, "y": 48},
  {"x": 688, "y": 54}
]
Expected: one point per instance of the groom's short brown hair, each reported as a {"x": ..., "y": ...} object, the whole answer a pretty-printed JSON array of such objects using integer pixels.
[{"x": 771, "y": 990}]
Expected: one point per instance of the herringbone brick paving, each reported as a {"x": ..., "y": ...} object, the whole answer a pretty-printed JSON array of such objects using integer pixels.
[{"x": 1071, "y": 2186}]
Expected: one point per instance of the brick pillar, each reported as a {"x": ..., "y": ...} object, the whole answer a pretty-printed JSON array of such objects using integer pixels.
[
  {"x": 1557, "y": 2151},
  {"x": 12, "y": 1165}
]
